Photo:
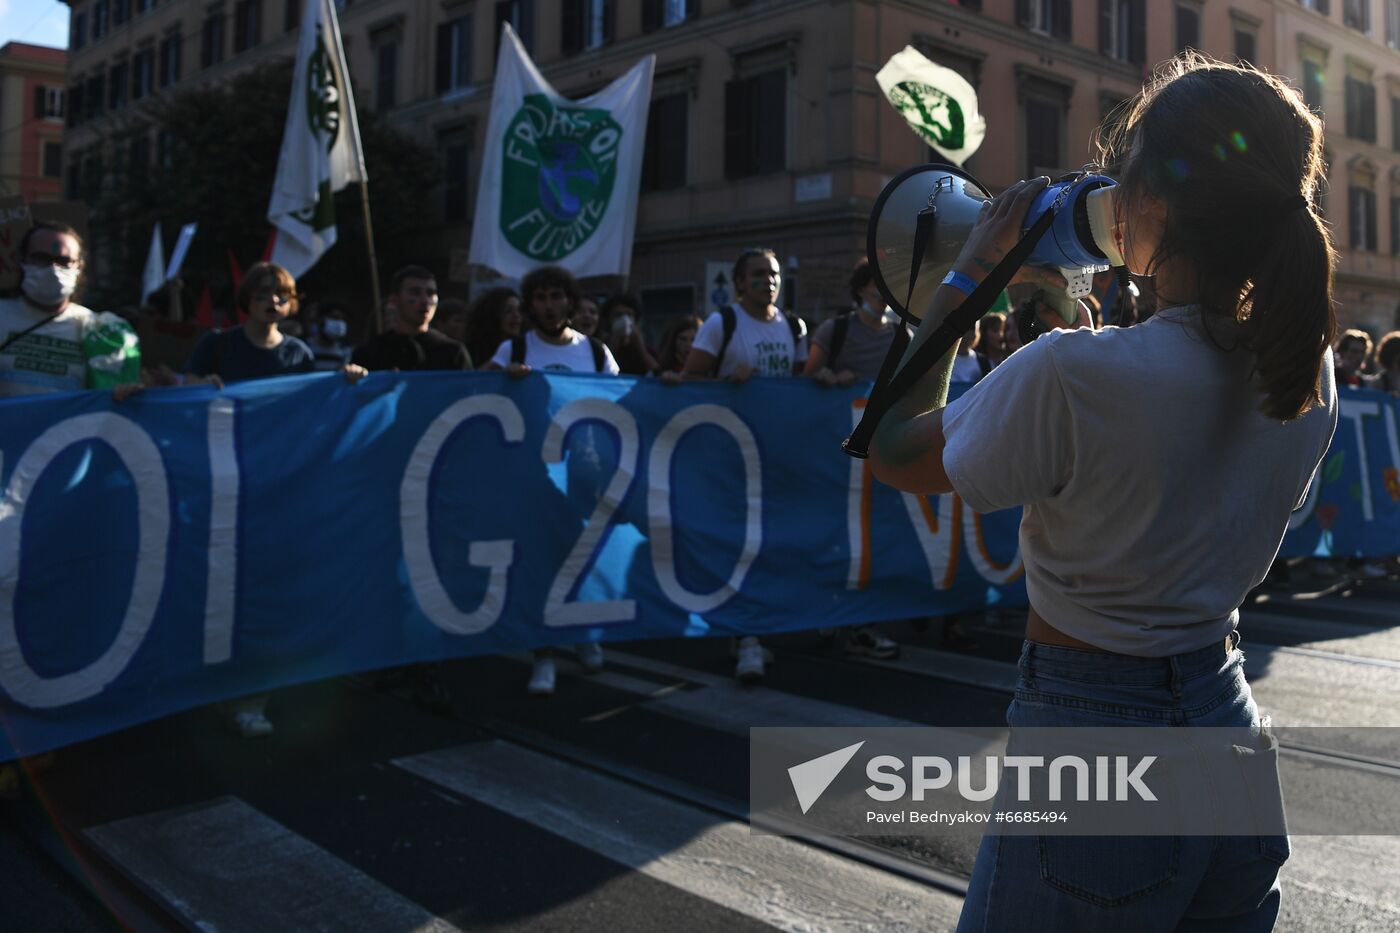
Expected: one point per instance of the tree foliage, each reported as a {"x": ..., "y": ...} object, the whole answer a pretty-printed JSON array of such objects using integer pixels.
[{"x": 214, "y": 163}]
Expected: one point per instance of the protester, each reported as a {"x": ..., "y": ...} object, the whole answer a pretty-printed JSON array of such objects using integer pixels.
[
  {"x": 494, "y": 316},
  {"x": 992, "y": 342},
  {"x": 1388, "y": 362},
  {"x": 551, "y": 296},
  {"x": 52, "y": 343},
  {"x": 968, "y": 364},
  {"x": 584, "y": 318},
  {"x": 1353, "y": 350},
  {"x": 622, "y": 331},
  {"x": 849, "y": 347},
  {"x": 675, "y": 346},
  {"x": 329, "y": 350},
  {"x": 411, "y": 343},
  {"x": 451, "y": 320},
  {"x": 1111, "y": 441},
  {"x": 257, "y": 349},
  {"x": 750, "y": 337}
]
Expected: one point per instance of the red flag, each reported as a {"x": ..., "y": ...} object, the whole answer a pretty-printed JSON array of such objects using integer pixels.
[
  {"x": 271, "y": 242},
  {"x": 235, "y": 271},
  {"x": 204, "y": 310}
]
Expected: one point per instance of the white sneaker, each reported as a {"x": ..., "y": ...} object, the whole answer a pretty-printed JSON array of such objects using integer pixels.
[
  {"x": 749, "y": 667},
  {"x": 590, "y": 655},
  {"x": 542, "y": 678},
  {"x": 252, "y": 725}
]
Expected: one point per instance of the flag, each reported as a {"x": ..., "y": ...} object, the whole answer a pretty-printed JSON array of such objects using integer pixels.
[
  {"x": 936, "y": 102},
  {"x": 153, "y": 277},
  {"x": 321, "y": 151},
  {"x": 204, "y": 309},
  {"x": 560, "y": 178}
]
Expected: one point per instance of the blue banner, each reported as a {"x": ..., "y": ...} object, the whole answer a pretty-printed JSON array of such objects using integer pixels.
[{"x": 192, "y": 545}]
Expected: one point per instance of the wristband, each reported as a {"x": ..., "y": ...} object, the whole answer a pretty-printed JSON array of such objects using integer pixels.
[{"x": 961, "y": 282}]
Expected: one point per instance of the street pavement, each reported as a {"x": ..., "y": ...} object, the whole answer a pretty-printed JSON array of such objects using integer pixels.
[{"x": 619, "y": 803}]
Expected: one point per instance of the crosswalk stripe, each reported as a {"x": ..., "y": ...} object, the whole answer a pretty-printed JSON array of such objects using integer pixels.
[
  {"x": 769, "y": 878},
  {"x": 222, "y": 865}
]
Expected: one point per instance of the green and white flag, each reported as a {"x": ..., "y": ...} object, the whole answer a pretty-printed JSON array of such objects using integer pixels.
[
  {"x": 559, "y": 178},
  {"x": 937, "y": 103},
  {"x": 320, "y": 145}
]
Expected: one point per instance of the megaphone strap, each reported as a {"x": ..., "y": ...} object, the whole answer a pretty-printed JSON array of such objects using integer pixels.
[{"x": 888, "y": 391}]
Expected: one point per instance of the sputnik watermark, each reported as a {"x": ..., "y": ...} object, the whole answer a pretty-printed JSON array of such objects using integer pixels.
[{"x": 933, "y": 772}]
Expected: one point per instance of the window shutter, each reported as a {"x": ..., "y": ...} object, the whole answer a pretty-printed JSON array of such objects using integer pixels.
[
  {"x": 1371, "y": 241},
  {"x": 1137, "y": 24},
  {"x": 652, "y": 13},
  {"x": 39, "y": 102},
  {"x": 573, "y": 12},
  {"x": 675, "y": 141},
  {"x": 1106, "y": 27},
  {"x": 1060, "y": 27},
  {"x": 444, "y": 57},
  {"x": 769, "y": 123},
  {"x": 1023, "y": 12},
  {"x": 1354, "y": 218},
  {"x": 609, "y": 19},
  {"x": 738, "y": 98},
  {"x": 527, "y": 24}
]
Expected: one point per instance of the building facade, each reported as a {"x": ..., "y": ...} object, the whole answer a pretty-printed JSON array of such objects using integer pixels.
[
  {"x": 766, "y": 125},
  {"x": 31, "y": 120}
]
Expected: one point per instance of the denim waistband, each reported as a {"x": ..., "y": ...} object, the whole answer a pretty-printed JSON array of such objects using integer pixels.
[{"x": 1038, "y": 660}]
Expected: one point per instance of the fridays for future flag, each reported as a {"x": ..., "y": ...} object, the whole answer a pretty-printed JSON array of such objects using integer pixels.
[
  {"x": 560, "y": 178},
  {"x": 937, "y": 103},
  {"x": 320, "y": 145}
]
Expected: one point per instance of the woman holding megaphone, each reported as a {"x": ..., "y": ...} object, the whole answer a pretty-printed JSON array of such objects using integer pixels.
[{"x": 1158, "y": 466}]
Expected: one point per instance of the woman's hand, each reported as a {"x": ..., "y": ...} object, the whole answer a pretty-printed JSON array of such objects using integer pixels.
[
  {"x": 353, "y": 373},
  {"x": 517, "y": 370},
  {"x": 999, "y": 226}
]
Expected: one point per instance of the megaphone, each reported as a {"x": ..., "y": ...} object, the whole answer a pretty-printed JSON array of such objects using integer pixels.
[
  {"x": 917, "y": 229},
  {"x": 946, "y": 201}
]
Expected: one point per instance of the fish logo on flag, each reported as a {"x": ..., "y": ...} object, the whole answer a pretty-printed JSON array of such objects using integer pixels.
[
  {"x": 936, "y": 102},
  {"x": 561, "y": 178},
  {"x": 321, "y": 151}
]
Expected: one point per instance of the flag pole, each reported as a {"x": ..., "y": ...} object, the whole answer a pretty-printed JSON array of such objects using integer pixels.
[{"x": 376, "y": 321}]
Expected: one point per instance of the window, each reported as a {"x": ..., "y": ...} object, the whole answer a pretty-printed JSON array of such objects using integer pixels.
[
  {"x": 99, "y": 19},
  {"x": 74, "y": 186},
  {"x": 247, "y": 25},
  {"x": 386, "y": 73},
  {"x": 1395, "y": 123},
  {"x": 1047, "y": 16},
  {"x": 92, "y": 177},
  {"x": 659, "y": 14},
  {"x": 455, "y": 146},
  {"x": 165, "y": 149},
  {"x": 454, "y": 54},
  {"x": 291, "y": 15},
  {"x": 521, "y": 16},
  {"x": 1361, "y": 109},
  {"x": 1245, "y": 45},
  {"x": 667, "y": 143},
  {"x": 1322, "y": 6},
  {"x": 48, "y": 103},
  {"x": 143, "y": 73},
  {"x": 1361, "y": 204},
  {"x": 140, "y": 155},
  {"x": 1394, "y": 225},
  {"x": 117, "y": 86},
  {"x": 1392, "y": 23},
  {"x": 53, "y": 159},
  {"x": 587, "y": 24},
  {"x": 76, "y": 103},
  {"x": 211, "y": 44},
  {"x": 96, "y": 93},
  {"x": 169, "y": 59},
  {"x": 79, "y": 31},
  {"x": 1312, "y": 84},
  {"x": 755, "y": 124},
  {"x": 1123, "y": 30},
  {"x": 1043, "y": 119},
  {"x": 1188, "y": 27},
  {"x": 144, "y": 6},
  {"x": 121, "y": 12},
  {"x": 1356, "y": 14}
]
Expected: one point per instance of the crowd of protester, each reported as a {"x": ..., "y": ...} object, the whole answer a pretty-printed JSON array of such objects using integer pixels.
[{"x": 548, "y": 324}]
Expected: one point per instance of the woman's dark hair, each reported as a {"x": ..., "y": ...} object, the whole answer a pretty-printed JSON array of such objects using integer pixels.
[
  {"x": 1354, "y": 336},
  {"x": 1236, "y": 156},
  {"x": 1388, "y": 350},
  {"x": 266, "y": 275},
  {"x": 546, "y": 277},
  {"x": 620, "y": 300},
  {"x": 483, "y": 334},
  {"x": 668, "y": 361},
  {"x": 861, "y": 276}
]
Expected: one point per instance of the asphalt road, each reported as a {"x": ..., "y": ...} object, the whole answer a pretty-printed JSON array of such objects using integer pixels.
[{"x": 620, "y": 802}]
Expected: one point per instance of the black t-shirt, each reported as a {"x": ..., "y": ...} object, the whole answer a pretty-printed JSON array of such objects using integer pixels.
[
  {"x": 425, "y": 350},
  {"x": 231, "y": 356}
]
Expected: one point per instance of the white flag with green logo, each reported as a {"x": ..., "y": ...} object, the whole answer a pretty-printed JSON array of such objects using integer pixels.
[
  {"x": 320, "y": 145},
  {"x": 937, "y": 103},
  {"x": 559, "y": 177}
]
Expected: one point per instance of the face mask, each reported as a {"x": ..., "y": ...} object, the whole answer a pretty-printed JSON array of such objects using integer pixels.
[
  {"x": 49, "y": 286},
  {"x": 333, "y": 328}
]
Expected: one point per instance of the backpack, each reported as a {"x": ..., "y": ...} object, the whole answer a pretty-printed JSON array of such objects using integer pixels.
[
  {"x": 839, "y": 328},
  {"x": 600, "y": 357},
  {"x": 726, "y": 316}
]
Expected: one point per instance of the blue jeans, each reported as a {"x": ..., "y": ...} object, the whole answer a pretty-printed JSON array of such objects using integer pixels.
[{"x": 1127, "y": 884}]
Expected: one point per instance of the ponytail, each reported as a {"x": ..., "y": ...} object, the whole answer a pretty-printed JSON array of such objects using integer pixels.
[{"x": 1288, "y": 317}]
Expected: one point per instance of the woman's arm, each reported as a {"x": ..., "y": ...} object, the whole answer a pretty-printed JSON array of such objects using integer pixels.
[{"x": 907, "y": 449}]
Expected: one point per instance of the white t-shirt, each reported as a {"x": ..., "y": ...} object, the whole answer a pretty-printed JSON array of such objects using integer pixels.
[
  {"x": 576, "y": 356},
  {"x": 966, "y": 368},
  {"x": 47, "y": 359},
  {"x": 766, "y": 346},
  {"x": 1156, "y": 494}
]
